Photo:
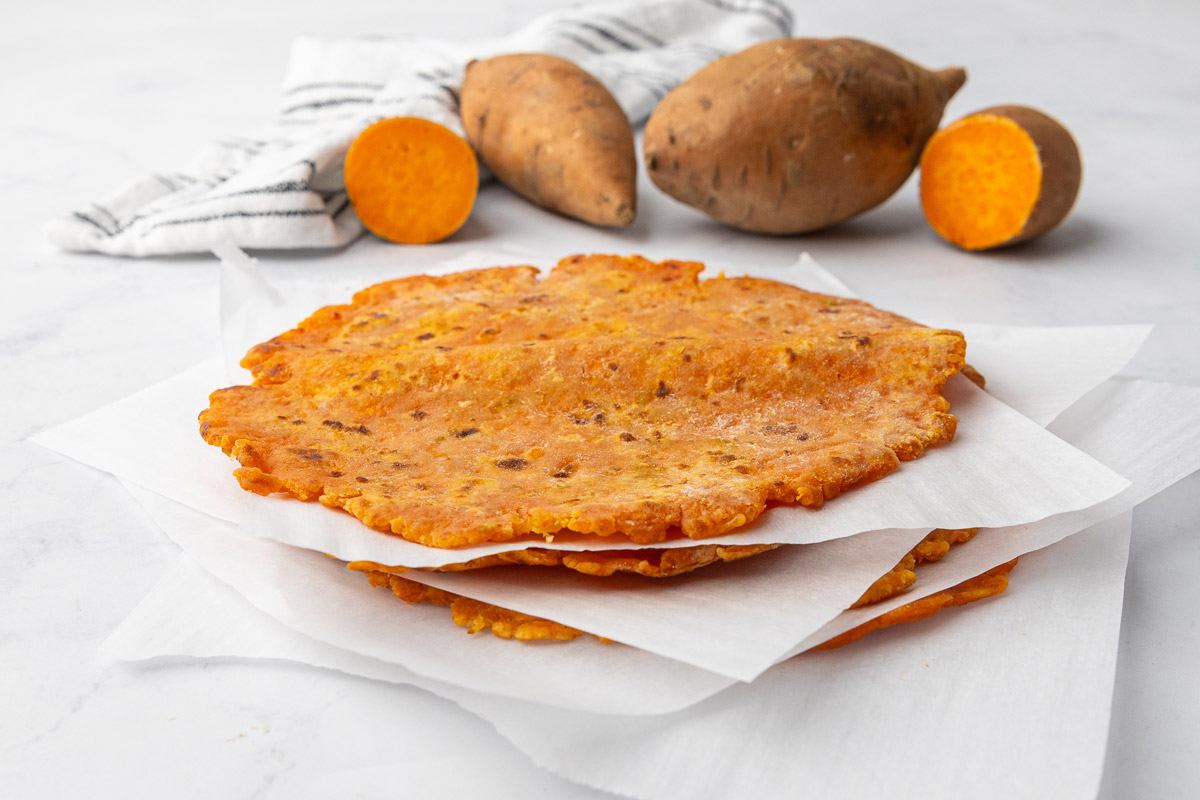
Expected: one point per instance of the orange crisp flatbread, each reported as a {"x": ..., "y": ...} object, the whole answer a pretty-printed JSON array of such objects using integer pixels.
[
  {"x": 613, "y": 397},
  {"x": 989, "y": 584},
  {"x": 476, "y": 615},
  {"x": 667, "y": 563},
  {"x": 902, "y": 576},
  {"x": 649, "y": 563}
]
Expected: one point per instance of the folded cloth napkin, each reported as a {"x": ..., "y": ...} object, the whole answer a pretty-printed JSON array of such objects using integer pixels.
[{"x": 282, "y": 186}]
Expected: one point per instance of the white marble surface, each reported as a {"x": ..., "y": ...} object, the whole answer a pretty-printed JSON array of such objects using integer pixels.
[{"x": 98, "y": 94}]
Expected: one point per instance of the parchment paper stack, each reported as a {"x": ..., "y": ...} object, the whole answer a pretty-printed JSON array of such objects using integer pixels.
[{"x": 702, "y": 664}]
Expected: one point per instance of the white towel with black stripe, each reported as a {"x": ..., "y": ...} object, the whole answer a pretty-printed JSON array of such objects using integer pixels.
[{"x": 282, "y": 188}]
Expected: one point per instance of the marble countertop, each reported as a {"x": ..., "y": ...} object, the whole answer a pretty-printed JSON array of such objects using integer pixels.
[{"x": 96, "y": 95}]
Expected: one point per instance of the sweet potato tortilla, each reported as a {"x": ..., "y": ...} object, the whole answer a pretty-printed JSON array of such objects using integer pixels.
[{"x": 615, "y": 397}]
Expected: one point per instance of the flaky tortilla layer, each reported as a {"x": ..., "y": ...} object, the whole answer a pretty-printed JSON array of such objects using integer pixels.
[{"x": 476, "y": 615}]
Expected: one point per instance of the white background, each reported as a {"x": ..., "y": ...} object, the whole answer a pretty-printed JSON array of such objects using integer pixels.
[{"x": 94, "y": 95}]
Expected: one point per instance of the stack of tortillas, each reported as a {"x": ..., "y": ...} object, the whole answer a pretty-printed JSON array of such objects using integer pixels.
[{"x": 616, "y": 398}]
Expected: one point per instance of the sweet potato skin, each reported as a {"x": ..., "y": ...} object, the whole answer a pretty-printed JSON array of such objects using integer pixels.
[
  {"x": 552, "y": 133},
  {"x": 794, "y": 135}
]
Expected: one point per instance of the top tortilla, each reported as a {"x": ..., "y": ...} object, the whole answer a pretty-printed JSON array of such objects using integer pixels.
[{"x": 616, "y": 396}]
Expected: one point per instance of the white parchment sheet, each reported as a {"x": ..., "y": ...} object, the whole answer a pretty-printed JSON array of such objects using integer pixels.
[
  {"x": 320, "y": 599},
  {"x": 1007, "y": 698}
]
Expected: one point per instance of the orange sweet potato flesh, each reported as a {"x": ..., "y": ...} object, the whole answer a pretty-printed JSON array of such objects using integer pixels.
[
  {"x": 998, "y": 177},
  {"x": 411, "y": 180},
  {"x": 553, "y": 134}
]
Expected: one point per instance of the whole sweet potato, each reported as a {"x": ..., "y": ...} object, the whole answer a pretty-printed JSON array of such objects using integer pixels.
[
  {"x": 793, "y": 135},
  {"x": 552, "y": 133}
]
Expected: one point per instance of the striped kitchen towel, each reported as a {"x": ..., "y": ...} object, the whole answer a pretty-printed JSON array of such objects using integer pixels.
[{"x": 281, "y": 187}]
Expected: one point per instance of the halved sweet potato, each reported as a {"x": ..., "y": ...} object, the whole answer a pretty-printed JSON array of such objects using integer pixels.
[{"x": 999, "y": 176}]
